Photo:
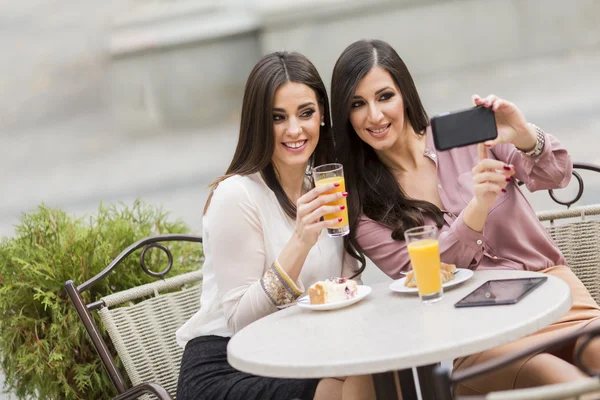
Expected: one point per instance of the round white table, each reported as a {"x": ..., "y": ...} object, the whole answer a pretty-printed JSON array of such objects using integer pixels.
[{"x": 388, "y": 331}]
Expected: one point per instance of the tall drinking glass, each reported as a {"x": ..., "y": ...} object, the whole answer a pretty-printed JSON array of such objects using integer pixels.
[
  {"x": 334, "y": 173},
  {"x": 424, "y": 252}
]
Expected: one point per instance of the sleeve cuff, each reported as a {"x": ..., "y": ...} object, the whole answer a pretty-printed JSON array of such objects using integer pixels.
[
  {"x": 468, "y": 236},
  {"x": 529, "y": 162},
  {"x": 279, "y": 287}
]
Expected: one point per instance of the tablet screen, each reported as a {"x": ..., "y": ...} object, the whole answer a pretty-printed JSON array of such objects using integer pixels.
[{"x": 501, "y": 291}]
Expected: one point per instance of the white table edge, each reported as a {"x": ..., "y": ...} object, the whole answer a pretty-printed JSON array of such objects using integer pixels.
[{"x": 394, "y": 364}]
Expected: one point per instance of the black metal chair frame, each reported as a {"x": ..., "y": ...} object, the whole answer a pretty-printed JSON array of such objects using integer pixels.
[
  {"x": 576, "y": 166},
  {"x": 84, "y": 311}
]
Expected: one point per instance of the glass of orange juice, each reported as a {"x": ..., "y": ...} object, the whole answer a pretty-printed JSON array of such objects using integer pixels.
[
  {"x": 424, "y": 252},
  {"x": 334, "y": 173}
]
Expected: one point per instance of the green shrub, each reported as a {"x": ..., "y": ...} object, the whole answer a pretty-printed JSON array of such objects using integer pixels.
[{"x": 44, "y": 349}]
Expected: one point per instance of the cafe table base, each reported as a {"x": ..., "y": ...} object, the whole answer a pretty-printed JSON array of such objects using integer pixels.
[{"x": 401, "y": 385}]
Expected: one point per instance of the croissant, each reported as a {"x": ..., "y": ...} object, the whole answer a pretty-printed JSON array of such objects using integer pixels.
[
  {"x": 447, "y": 272},
  {"x": 451, "y": 268},
  {"x": 447, "y": 276},
  {"x": 410, "y": 280}
]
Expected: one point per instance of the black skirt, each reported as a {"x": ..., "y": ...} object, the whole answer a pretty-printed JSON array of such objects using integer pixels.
[{"x": 206, "y": 374}]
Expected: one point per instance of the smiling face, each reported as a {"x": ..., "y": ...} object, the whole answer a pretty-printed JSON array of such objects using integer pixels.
[
  {"x": 296, "y": 124},
  {"x": 377, "y": 110}
]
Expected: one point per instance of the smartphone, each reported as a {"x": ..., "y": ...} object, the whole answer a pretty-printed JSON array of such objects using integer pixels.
[
  {"x": 500, "y": 292},
  {"x": 463, "y": 127}
]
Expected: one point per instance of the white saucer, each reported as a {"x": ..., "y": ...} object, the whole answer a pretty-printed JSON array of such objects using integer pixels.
[
  {"x": 363, "y": 291},
  {"x": 461, "y": 275}
]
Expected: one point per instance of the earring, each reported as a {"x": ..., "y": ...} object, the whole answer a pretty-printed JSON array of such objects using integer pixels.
[{"x": 322, "y": 123}]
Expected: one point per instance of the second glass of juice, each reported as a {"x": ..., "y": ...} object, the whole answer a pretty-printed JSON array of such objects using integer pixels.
[
  {"x": 334, "y": 173},
  {"x": 424, "y": 252}
]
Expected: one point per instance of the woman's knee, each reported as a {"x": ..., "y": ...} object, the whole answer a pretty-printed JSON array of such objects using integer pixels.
[
  {"x": 358, "y": 388},
  {"x": 590, "y": 356},
  {"x": 329, "y": 388},
  {"x": 546, "y": 369},
  {"x": 347, "y": 388}
]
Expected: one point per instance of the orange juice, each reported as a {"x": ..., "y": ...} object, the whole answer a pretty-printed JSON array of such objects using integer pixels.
[
  {"x": 425, "y": 259},
  {"x": 343, "y": 214}
]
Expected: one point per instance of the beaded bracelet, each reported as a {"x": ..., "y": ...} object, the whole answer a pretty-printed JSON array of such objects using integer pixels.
[{"x": 279, "y": 288}]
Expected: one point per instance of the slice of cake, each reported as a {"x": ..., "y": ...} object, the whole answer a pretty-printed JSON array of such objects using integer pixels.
[{"x": 332, "y": 290}]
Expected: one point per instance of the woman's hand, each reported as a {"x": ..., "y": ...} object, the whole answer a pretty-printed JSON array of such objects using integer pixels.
[
  {"x": 511, "y": 123},
  {"x": 309, "y": 210},
  {"x": 490, "y": 177}
]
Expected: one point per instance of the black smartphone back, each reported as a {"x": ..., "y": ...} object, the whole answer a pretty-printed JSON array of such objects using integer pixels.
[{"x": 463, "y": 128}]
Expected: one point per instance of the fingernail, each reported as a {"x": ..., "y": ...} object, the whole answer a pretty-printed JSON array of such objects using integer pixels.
[
  {"x": 488, "y": 145},
  {"x": 508, "y": 179},
  {"x": 339, "y": 220},
  {"x": 336, "y": 184},
  {"x": 506, "y": 167},
  {"x": 504, "y": 190},
  {"x": 342, "y": 207},
  {"x": 345, "y": 194}
]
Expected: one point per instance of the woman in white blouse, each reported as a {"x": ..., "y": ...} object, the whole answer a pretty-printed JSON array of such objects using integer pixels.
[{"x": 264, "y": 238}]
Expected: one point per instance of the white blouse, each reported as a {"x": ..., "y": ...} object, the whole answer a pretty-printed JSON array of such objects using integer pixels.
[{"x": 244, "y": 230}]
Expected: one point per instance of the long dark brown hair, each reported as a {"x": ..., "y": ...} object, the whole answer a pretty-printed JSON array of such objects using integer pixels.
[
  {"x": 373, "y": 189},
  {"x": 256, "y": 142}
]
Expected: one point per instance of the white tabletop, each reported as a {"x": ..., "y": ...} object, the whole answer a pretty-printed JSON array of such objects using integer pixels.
[{"x": 389, "y": 331}]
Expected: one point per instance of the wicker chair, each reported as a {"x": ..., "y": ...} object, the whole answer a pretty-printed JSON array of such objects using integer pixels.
[
  {"x": 579, "y": 242},
  {"x": 141, "y": 323}
]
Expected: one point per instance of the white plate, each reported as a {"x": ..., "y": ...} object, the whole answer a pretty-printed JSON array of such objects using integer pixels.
[
  {"x": 461, "y": 275},
  {"x": 363, "y": 291}
]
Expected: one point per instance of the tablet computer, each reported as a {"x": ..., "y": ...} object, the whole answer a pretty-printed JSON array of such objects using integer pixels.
[{"x": 501, "y": 291}]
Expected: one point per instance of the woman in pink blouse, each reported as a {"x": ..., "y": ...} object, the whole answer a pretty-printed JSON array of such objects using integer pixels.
[{"x": 400, "y": 181}]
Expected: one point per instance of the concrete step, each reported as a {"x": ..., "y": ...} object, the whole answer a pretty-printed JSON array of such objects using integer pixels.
[
  {"x": 182, "y": 70},
  {"x": 432, "y": 36},
  {"x": 178, "y": 70}
]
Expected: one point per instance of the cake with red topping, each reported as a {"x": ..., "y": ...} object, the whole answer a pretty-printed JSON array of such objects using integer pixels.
[{"x": 332, "y": 290}]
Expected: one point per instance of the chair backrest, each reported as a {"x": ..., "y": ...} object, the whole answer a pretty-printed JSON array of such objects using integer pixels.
[
  {"x": 141, "y": 321},
  {"x": 143, "y": 332},
  {"x": 579, "y": 241}
]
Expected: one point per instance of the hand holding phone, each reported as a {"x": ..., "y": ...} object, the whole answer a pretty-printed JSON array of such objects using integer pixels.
[
  {"x": 463, "y": 127},
  {"x": 511, "y": 124}
]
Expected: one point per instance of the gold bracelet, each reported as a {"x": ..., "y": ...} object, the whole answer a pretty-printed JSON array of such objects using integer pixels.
[{"x": 278, "y": 286}]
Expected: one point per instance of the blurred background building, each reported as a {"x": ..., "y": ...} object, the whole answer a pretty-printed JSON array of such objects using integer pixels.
[{"x": 117, "y": 100}]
